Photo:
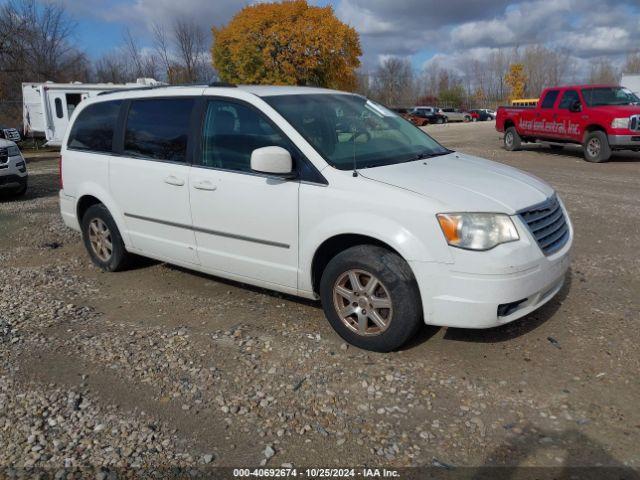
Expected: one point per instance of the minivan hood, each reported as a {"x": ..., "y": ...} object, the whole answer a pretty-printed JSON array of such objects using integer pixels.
[{"x": 463, "y": 183}]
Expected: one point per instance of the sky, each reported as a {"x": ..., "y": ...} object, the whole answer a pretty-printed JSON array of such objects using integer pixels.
[{"x": 447, "y": 31}]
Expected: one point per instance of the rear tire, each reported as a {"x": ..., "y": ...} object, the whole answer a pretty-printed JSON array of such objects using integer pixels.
[
  {"x": 102, "y": 239},
  {"x": 512, "y": 140},
  {"x": 368, "y": 277},
  {"x": 596, "y": 147}
]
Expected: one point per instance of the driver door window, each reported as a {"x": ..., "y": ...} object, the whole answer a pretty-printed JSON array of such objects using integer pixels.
[{"x": 231, "y": 132}]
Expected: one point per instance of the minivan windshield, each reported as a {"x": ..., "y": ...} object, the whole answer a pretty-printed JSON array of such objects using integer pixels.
[
  {"x": 349, "y": 130},
  {"x": 599, "y": 96}
]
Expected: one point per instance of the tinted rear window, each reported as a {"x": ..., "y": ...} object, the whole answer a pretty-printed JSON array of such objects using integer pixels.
[
  {"x": 158, "y": 128},
  {"x": 93, "y": 129},
  {"x": 550, "y": 99}
]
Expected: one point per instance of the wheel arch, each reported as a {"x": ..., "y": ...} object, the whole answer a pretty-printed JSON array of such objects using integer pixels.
[
  {"x": 594, "y": 127},
  {"x": 338, "y": 243},
  {"x": 83, "y": 205},
  {"x": 94, "y": 196}
]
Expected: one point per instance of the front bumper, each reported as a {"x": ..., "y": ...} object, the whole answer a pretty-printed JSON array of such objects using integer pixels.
[
  {"x": 517, "y": 279},
  {"x": 13, "y": 171},
  {"x": 625, "y": 141}
]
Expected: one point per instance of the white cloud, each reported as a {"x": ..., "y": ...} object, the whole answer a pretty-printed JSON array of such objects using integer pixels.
[{"x": 453, "y": 29}]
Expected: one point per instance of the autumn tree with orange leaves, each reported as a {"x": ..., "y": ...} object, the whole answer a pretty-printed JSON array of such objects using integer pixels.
[
  {"x": 516, "y": 80},
  {"x": 288, "y": 43}
]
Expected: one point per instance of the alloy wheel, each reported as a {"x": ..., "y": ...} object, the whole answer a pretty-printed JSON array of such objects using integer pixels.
[
  {"x": 593, "y": 147},
  {"x": 362, "y": 302},
  {"x": 508, "y": 139},
  {"x": 100, "y": 239}
]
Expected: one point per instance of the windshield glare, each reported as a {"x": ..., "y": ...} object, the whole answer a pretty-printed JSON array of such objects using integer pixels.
[
  {"x": 344, "y": 127},
  {"x": 594, "y": 97}
]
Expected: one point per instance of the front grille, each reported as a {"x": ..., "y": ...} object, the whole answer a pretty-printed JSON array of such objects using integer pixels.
[
  {"x": 547, "y": 223},
  {"x": 3, "y": 155},
  {"x": 634, "y": 122}
]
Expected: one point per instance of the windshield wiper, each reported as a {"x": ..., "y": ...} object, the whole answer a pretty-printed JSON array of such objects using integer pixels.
[
  {"x": 423, "y": 155},
  {"x": 418, "y": 156}
]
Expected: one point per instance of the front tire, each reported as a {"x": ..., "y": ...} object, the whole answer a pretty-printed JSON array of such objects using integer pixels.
[
  {"x": 371, "y": 298},
  {"x": 512, "y": 140},
  {"x": 22, "y": 189},
  {"x": 102, "y": 239},
  {"x": 596, "y": 147}
]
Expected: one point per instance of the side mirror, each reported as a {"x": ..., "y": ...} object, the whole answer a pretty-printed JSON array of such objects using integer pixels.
[
  {"x": 272, "y": 160},
  {"x": 576, "y": 106}
]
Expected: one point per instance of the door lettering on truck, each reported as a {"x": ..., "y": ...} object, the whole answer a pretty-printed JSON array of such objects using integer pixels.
[{"x": 560, "y": 128}]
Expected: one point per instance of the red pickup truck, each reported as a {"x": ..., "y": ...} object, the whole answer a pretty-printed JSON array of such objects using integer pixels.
[{"x": 601, "y": 118}]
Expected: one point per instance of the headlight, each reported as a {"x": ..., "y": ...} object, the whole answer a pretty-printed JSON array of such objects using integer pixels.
[
  {"x": 13, "y": 151},
  {"x": 620, "y": 123},
  {"x": 477, "y": 231}
]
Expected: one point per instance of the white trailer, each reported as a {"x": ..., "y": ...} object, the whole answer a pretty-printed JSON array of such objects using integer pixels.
[
  {"x": 632, "y": 82},
  {"x": 47, "y": 107}
]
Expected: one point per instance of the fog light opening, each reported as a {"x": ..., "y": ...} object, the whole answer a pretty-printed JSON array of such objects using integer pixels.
[{"x": 506, "y": 309}]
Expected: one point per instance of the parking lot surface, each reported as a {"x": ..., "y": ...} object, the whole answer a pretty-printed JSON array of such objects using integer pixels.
[{"x": 161, "y": 366}]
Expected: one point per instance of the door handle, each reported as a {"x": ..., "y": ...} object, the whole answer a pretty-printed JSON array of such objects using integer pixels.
[
  {"x": 204, "y": 185},
  {"x": 173, "y": 180}
]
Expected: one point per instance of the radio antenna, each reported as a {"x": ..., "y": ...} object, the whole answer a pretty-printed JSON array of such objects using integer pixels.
[{"x": 353, "y": 141}]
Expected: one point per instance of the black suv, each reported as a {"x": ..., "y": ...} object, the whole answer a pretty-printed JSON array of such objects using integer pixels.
[{"x": 430, "y": 114}]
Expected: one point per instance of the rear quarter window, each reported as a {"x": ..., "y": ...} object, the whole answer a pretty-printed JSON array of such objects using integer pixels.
[{"x": 93, "y": 128}]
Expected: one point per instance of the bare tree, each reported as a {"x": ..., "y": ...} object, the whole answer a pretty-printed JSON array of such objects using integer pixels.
[
  {"x": 36, "y": 44},
  {"x": 162, "y": 47},
  {"x": 603, "y": 71},
  {"x": 182, "y": 51},
  {"x": 111, "y": 67},
  {"x": 139, "y": 64},
  {"x": 190, "y": 42},
  {"x": 632, "y": 65},
  {"x": 544, "y": 68},
  {"x": 393, "y": 82}
]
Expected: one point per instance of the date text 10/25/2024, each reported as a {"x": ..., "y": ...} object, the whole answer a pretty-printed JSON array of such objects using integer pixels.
[{"x": 316, "y": 472}]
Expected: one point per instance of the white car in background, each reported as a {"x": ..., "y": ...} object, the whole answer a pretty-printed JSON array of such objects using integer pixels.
[
  {"x": 13, "y": 168},
  {"x": 456, "y": 115},
  {"x": 315, "y": 193}
]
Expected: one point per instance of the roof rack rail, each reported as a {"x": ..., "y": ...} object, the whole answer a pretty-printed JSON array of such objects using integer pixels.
[
  {"x": 132, "y": 89},
  {"x": 222, "y": 84}
]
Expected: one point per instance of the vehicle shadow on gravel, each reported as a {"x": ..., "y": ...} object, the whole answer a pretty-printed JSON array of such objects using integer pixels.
[
  {"x": 41, "y": 185},
  {"x": 243, "y": 286},
  {"x": 516, "y": 328},
  {"x": 582, "y": 457},
  {"x": 576, "y": 152}
]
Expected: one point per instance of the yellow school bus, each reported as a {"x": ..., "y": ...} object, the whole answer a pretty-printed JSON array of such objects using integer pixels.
[{"x": 524, "y": 102}]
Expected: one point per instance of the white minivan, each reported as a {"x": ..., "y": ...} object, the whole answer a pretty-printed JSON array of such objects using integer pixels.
[{"x": 316, "y": 193}]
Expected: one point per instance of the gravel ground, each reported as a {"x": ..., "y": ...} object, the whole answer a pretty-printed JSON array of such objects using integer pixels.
[{"x": 159, "y": 366}]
